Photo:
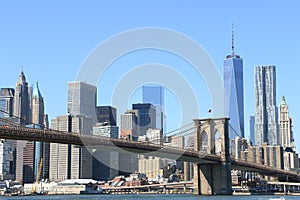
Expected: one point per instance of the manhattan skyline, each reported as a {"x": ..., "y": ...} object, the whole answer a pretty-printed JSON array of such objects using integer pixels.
[{"x": 51, "y": 47}]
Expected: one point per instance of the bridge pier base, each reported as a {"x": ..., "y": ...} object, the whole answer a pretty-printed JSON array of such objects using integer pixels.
[{"x": 212, "y": 178}]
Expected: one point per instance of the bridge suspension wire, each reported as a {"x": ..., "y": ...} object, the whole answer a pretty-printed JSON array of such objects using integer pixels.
[{"x": 177, "y": 129}]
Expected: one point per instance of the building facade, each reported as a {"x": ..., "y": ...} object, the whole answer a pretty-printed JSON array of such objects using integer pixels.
[
  {"x": 285, "y": 124},
  {"x": 129, "y": 125},
  {"x": 146, "y": 117},
  {"x": 22, "y": 100},
  {"x": 106, "y": 114},
  {"x": 24, "y": 149},
  {"x": 6, "y": 102},
  {"x": 68, "y": 161},
  {"x": 7, "y": 162},
  {"x": 234, "y": 93},
  {"x": 38, "y": 118},
  {"x": 7, "y": 149},
  {"x": 266, "y": 115},
  {"x": 105, "y": 162},
  {"x": 154, "y": 94},
  {"x": 82, "y": 99}
]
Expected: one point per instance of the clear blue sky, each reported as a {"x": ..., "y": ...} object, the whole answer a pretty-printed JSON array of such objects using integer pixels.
[{"x": 51, "y": 39}]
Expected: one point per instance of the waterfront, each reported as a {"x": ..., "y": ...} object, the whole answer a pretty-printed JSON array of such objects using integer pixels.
[{"x": 148, "y": 196}]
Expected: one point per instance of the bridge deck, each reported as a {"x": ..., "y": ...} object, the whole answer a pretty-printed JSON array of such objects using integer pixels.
[{"x": 90, "y": 142}]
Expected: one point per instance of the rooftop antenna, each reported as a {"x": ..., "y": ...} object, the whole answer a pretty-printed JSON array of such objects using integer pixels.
[{"x": 232, "y": 40}]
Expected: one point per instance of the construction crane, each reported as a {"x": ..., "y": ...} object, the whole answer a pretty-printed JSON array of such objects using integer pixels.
[{"x": 37, "y": 180}]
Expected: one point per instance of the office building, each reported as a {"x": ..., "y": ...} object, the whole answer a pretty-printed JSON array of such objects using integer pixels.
[
  {"x": 234, "y": 93},
  {"x": 25, "y": 161},
  {"x": 106, "y": 130},
  {"x": 82, "y": 99},
  {"x": 129, "y": 127},
  {"x": 152, "y": 166},
  {"x": 42, "y": 149},
  {"x": 106, "y": 114},
  {"x": 266, "y": 115},
  {"x": 285, "y": 124},
  {"x": 24, "y": 149},
  {"x": 37, "y": 103},
  {"x": 68, "y": 161},
  {"x": 6, "y": 102},
  {"x": 154, "y": 94},
  {"x": 146, "y": 117},
  {"x": 128, "y": 162},
  {"x": 105, "y": 162},
  {"x": 22, "y": 100}
]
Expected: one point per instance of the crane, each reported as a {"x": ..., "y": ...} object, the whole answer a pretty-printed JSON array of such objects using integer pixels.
[{"x": 37, "y": 180}]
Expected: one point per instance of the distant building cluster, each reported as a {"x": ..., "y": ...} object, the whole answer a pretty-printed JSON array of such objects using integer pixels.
[
  {"x": 271, "y": 139},
  {"x": 24, "y": 105}
]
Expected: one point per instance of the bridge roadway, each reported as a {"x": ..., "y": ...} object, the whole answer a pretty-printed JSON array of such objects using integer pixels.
[{"x": 91, "y": 141}]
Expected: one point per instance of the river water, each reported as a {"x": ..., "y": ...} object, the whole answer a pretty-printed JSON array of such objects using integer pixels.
[{"x": 146, "y": 196}]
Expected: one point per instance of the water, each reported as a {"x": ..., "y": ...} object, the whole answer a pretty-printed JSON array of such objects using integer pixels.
[{"x": 145, "y": 197}]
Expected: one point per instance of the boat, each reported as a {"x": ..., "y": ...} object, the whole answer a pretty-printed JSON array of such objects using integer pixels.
[{"x": 281, "y": 198}]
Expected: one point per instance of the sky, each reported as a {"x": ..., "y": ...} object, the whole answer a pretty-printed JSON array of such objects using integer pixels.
[{"x": 50, "y": 40}]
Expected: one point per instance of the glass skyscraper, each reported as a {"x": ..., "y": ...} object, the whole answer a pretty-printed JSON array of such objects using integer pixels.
[
  {"x": 154, "y": 94},
  {"x": 106, "y": 114},
  {"x": 146, "y": 117},
  {"x": 234, "y": 93}
]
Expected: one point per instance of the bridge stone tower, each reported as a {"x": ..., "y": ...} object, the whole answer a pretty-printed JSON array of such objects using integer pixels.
[{"x": 211, "y": 138}]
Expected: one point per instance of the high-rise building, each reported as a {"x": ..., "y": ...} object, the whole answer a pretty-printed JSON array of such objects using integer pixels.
[
  {"x": 106, "y": 114},
  {"x": 146, "y": 117},
  {"x": 42, "y": 149},
  {"x": 285, "y": 124},
  {"x": 6, "y": 102},
  {"x": 24, "y": 149},
  {"x": 37, "y": 106},
  {"x": 82, "y": 99},
  {"x": 105, "y": 162},
  {"x": 234, "y": 93},
  {"x": 25, "y": 161},
  {"x": 81, "y": 159},
  {"x": 252, "y": 132},
  {"x": 128, "y": 162},
  {"x": 7, "y": 149},
  {"x": 60, "y": 154},
  {"x": 266, "y": 115},
  {"x": 150, "y": 165},
  {"x": 22, "y": 100},
  {"x": 129, "y": 127},
  {"x": 69, "y": 161},
  {"x": 154, "y": 94}
]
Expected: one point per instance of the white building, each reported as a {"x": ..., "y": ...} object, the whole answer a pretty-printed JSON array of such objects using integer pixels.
[
  {"x": 285, "y": 124},
  {"x": 68, "y": 161}
]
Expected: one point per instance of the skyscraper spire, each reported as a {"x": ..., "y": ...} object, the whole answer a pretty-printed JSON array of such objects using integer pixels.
[{"x": 232, "y": 40}]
